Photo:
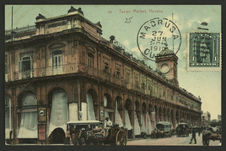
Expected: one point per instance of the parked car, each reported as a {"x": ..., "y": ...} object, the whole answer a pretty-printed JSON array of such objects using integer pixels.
[
  {"x": 163, "y": 129},
  {"x": 182, "y": 129}
]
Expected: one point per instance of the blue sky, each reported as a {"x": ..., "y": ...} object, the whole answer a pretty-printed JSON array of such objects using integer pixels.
[{"x": 206, "y": 84}]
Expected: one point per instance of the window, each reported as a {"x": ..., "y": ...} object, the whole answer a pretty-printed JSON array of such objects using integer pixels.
[
  {"x": 127, "y": 77},
  {"x": 57, "y": 59},
  {"x": 106, "y": 67},
  {"x": 28, "y": 117},
  {"x": 117, "y": 70},
  {"x": 143, "y": 84},
  {"x": 26, "y": 64},
  {"x": 6, "y": 63},
  {"x": 164, "y": 93},
  {"x": 90, "y": 60},
  {"x": 171, "y": 97},
  {"x": 136, "y": 81},
  {"x": 159, "y": 91},
  {"x": 117, "y": 73}
]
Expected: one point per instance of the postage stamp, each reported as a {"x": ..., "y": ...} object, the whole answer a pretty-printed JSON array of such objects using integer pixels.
[
  {"x": 204, "y": 51},
  {"x": 156, "y": 35}
]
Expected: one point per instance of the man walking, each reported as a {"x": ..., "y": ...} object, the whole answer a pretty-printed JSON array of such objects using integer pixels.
[{"x": 193, "y": 135}]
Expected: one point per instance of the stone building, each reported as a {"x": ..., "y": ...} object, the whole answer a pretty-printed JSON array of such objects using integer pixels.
[{"x": 62, "y": 70}]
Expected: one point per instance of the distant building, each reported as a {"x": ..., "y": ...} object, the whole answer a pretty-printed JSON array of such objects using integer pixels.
[
  {"x": 206, "y": 118},
  {"x": 63, "y": 70},
  {"x": 219, "y": 117}
]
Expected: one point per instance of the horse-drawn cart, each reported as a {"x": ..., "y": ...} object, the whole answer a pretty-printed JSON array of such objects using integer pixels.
[
  {"x": 210, "y": 134},
  {"x": 93, "y": 132}
]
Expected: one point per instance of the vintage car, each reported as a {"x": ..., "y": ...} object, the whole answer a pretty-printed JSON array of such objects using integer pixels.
[
  {"x": 163, "y": 129},
  {"x": 182, "y": 129},
  {"x": 93, "y": 132},
  {"x": 210, "y": 133}
]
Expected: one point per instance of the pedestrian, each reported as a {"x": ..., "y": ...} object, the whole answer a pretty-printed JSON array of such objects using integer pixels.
[
  {"x": 199, "y": 130},
  {"x": 193, "y": 136},
  {"x": 107, "y": 125}
]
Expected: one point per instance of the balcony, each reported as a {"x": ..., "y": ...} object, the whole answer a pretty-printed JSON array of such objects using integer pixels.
[
  {"x": 106, "y": 76},
  {"x": 42, "y": 72}
]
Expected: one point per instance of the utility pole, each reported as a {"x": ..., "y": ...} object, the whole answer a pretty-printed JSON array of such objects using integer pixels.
[{"x": 12, "y": 24}]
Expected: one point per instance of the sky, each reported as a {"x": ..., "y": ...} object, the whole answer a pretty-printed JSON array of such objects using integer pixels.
[{"x": 124, "y": 22}]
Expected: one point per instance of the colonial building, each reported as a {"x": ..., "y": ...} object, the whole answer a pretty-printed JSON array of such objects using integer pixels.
[{"x": 63, "y": 70}]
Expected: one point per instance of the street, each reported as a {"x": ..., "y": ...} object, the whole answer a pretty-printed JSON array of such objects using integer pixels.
[{"x": 174, "y": 141}]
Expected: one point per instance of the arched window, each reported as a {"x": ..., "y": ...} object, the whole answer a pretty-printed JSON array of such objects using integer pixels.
[
  {"x": 57, "y": 59},
  {"x": 28, "y": 117},
  {"x": 8, "y": 125}
]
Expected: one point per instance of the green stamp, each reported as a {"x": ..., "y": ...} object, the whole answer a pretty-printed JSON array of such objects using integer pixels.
[{"x": 204, "y": 50}]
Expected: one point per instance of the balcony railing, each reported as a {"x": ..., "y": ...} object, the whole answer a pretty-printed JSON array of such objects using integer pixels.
[{"x": 42, "y": 72}]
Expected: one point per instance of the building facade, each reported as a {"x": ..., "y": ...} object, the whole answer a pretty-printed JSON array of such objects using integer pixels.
[
  {"x": 206, "y": 118},
  {"x": 63, "y": 70}
]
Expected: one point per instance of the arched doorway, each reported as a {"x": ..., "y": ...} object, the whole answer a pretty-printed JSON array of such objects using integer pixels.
[
  {"x": 27, "y": 117},
  {"x": 118, "y": 111},
  {"x": 160, "y": 113},
  {"x": 57, "y": 136},
  {"x": 143, "y": 119},
  {"x": 177, "y": 117},
  {"x": 149, "y": 124},
  {"x": 137, "y": 119},
  {"x": 108, "y": 107},
  {"x": 164, "y": 114},
  {"x": 89, "y": 108},
  {"x": 59, "y": 112},
  {"x": 156, "y": 114},
  {"x": 153, "y": 115},
  {"x": 172, "y": 118},
  {"x": 128, "y": 117},
  {"x": 8, "y": 119}
]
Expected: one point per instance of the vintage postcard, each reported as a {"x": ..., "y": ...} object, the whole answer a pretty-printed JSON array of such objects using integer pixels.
[{"x": 143, "y": 75}]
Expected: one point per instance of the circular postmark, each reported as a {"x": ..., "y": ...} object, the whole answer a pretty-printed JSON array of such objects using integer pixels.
[{"x": 156, "y": 35}]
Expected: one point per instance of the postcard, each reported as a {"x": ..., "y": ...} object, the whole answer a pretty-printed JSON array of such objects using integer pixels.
[{"x": 143, "y": 75}]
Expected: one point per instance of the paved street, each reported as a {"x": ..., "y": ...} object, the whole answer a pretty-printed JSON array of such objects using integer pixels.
[{"x": 174, "y": 140}]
